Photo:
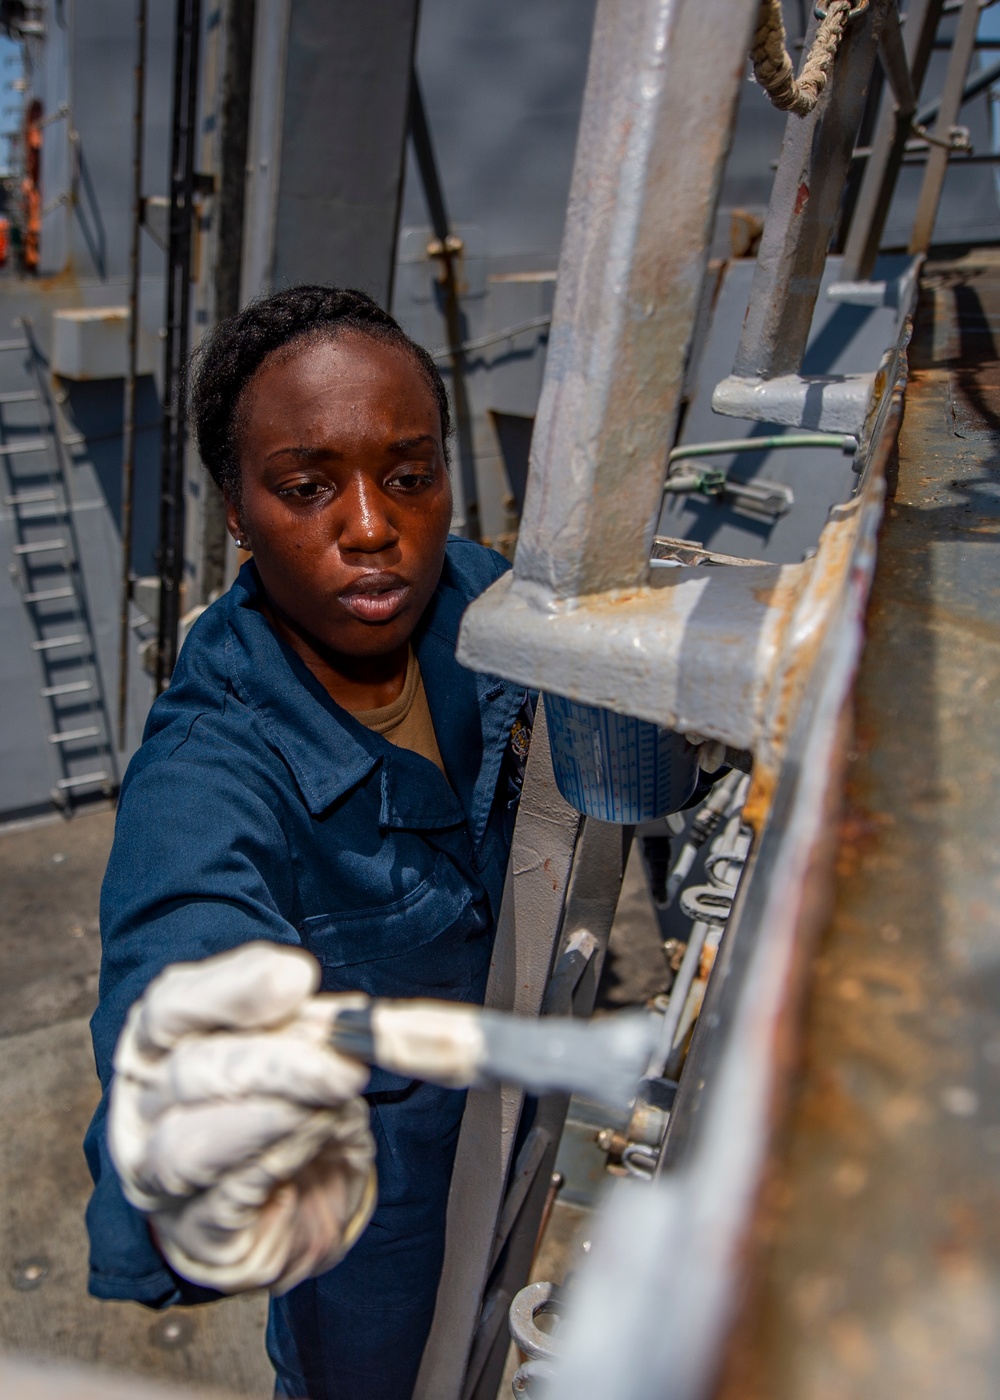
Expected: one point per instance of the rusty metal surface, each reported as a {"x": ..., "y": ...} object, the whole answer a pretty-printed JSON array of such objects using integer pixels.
[
  {"x": 665, "y": 1274},
  {"x": 879, "y": 1266},
  {"x": 697, "y": 650}
]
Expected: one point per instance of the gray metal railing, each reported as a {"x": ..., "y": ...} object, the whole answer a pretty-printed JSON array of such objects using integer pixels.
[{"x": 756, "y": 656}]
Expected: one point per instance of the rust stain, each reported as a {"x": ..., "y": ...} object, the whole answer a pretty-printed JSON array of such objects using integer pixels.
[
  {"x": 760, "y": 796},
  {"x": 547, "y": 867},
  {"x": 882, "y": 1197},
  {"x": 801, "y": 199},
  {"x": 66, "y": 282}
]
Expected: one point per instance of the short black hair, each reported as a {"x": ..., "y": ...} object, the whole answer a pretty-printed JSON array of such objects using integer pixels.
[{"x": 230, "y": 356}]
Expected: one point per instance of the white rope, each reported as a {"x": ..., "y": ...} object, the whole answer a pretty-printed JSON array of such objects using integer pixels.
[{"x": 772, "y": 64}]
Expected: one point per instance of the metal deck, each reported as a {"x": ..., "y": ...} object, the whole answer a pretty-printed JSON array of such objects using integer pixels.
[{"x": 880, "y": 1268}]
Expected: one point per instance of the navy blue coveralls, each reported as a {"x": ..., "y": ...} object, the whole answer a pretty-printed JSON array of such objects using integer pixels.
[{"x": 259, "y": 808}]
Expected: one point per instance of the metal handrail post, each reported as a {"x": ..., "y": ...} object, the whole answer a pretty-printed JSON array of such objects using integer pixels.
[
  {"x": 895, "y": 62},
  {"x": 805, "y": 201},
  {"x": 655, "y": 129},
  {"x": 951, "y": 102},
  {"x": 889, "y": 147}
]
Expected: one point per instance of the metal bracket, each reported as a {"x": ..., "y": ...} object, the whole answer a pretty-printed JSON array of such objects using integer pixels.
[
  {"x": 695, "y": 650},
  {"x": 530, "y": 1303},
  {"x": 829, "y": 403}
]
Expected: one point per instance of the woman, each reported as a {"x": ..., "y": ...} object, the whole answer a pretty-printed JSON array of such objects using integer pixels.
[{"x": 321, "y": 774}]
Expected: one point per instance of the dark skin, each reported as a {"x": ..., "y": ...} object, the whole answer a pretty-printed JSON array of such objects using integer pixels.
[{"x": 345, "y": 501}]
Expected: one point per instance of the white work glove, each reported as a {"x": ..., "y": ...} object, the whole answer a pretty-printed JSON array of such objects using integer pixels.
[{"x": 235, "y": 1127}]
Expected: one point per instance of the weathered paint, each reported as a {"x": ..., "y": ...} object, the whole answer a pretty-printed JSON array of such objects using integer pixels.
[
  {"x": 656, "y": 124},
  {"x": 664, "y": 1278},
  {"x": 805, "y": 203},
  {"x": 879, "y": 1271},
  {"x": 695, "y": 653}
]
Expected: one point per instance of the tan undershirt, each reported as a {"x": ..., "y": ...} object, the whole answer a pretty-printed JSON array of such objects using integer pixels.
[{"x": 407, "y": 721}]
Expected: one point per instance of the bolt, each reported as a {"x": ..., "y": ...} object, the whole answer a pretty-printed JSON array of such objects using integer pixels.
[{"x": 674, "y": 949}]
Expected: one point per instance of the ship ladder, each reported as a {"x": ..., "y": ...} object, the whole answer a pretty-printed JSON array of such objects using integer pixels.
[{"x": 46, "y": 567}]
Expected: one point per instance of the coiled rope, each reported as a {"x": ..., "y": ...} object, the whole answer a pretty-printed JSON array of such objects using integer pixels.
[{"x": 772, "y": 64}]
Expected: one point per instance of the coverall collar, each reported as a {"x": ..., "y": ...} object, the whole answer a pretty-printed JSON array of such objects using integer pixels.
[{"x": 330, "y": 753}]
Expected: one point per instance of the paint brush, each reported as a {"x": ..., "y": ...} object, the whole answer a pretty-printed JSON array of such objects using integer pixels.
[{"x": 456, "y": 1045}]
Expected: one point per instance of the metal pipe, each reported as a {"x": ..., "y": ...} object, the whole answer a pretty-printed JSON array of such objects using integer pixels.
[
  {"x": 974, "y": 85},
  {"x": 128, "y": 426},
  {"x": 845, "y": 441},
  {"x": 678, "y": 999},
  {"x": 892, "y": 53},
  {"x": 447, "y": 249},
  {"x": 182, "y": 189},
  {"x": 654, "y": 133}
]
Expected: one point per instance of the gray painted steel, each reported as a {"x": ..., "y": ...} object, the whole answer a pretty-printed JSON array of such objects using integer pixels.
[
  {"x": 342, "y": 136},
  {"x": 560, "y": 898},
  {"x": 654, "y": 133},
  {"x": 842, "y": 338},
  {"x": 963, "y": 47},
  {"x": 892, "y": 132},
  {"x": 805, "y": 200}
]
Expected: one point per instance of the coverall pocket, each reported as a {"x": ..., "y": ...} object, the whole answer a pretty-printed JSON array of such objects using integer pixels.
[
  {"x": 434, "y": 942},
  {"x": 422, "y": 945}
]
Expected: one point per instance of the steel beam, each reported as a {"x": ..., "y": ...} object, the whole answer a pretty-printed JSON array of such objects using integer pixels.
[
  {"x": 655, "y": 129},
  {"x": 828, "y": 403},
  {"x": 575, "y": 617},
  {"x": 591, "y": 900},
  {"x": 170, "y": 550},
  {"x": 805, "y": 201},
  {"x": 694, "y": 652},
  {"x": 267, "y": 96},
  {"x": 325, "y": 184},
  {"x": 896, "y": 64}
]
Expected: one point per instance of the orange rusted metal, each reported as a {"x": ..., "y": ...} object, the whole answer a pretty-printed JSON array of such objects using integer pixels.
[
  {"x": 31, "y": 195},
  {"x": 878, "y": 1243}
]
